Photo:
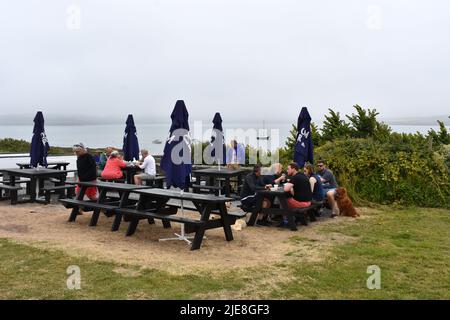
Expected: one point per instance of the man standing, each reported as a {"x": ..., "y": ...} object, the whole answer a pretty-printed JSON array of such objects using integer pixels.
[
  {"x": 329, "y": 185},
  {"x": 235, "y": 155},
  {"x": 148, "y": 165}
]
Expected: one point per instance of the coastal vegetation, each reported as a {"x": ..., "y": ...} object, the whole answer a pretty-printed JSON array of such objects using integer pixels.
[{"x": 378, "y": 165}]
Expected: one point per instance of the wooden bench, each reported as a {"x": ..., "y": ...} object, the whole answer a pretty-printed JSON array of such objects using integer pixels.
[
  {"x": 298, "y": 214},
  {"x": 13, "y": 190},
  {"x": 27, "y": 182},
  {"x": 121, "y": 180},
  {"x": 197, "y": 188},
  {"x": 70, "y": 189},
  {"x": 166, "y": 214},
  {"x": 157, "y": 182},
  {"x": 88, "y": 206}
]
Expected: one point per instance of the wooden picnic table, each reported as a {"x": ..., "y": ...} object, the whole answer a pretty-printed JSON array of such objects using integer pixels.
[
  {"x": 35, "y": 175},
  {"x": 102, "y": 202},
  {"x": 153, "y": 204},
  {"x": 214, "y": 173},
  {"x": 59, "y": 165},
  {"x": 290, "y": 213}
]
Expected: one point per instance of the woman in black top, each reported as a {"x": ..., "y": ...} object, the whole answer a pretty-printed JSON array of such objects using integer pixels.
[{"x": 87, "y": 170}]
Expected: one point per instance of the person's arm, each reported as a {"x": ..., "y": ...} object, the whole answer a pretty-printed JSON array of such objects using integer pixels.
[
  {"x": 312, "y": 182},
  {"x": 289, "y": 187},
  {"x": 122, "y": 164},
  {"x": 144, "y": 164}
]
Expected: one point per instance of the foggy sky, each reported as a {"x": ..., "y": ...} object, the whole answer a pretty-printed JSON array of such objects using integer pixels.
[{"x": 248, "y": 59}]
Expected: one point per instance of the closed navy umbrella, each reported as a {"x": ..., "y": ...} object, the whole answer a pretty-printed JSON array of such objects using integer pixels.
[
  {"x": 217, "y": 140},
  {"x": 176, "y": 161},
  {"x": 39, "y": 143},
  {"x": 130, "y": 141},
  {"x": 304, "y": 149}
]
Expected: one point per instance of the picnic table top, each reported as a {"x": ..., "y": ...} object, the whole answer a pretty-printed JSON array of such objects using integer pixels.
[
  {"x": 51, "y": 163},
  {"x": 279, "y": 191},
  {"x": 222, "y": 171},
  {"x": 34, "y": 172},
  {"x": 109, "y": 185},
  {"x": 176, "y": 194}
]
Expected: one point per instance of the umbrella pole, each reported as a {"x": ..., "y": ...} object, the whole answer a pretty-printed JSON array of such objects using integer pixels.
[{"x": 182, "y": 236}]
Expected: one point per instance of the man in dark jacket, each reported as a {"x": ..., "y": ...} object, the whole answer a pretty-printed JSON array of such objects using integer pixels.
[
  {"x": 87, "y": 169},
  {"x": 249, "y": 197}
]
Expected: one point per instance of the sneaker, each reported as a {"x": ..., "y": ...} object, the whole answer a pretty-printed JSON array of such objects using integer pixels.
[{"x": 283, "y": 224}]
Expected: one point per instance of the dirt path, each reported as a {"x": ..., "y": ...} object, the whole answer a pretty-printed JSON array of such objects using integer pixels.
[{"x": 46, "y": 227}]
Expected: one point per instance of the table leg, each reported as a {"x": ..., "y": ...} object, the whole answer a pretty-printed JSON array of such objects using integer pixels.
[
  {"x": 118, "y": 218},
  {"x": 12, "y": 194},
  {"x": 226, "y": 222},
  {"x": 96, "y": 213},
  {"x": 291, "y": 219},
  {"x": 201, "y": 230},
  {"x": 32, "y": 189},
  {"x": 75, "y": 209},
  {"x": 227, "y": 187},
  {"x": 41, "y": 186},
  {"x": 256, "y": 210}
]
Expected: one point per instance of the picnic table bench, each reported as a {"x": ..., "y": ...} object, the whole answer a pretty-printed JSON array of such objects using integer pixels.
[
  {"x": 103, "y": 202},
  {"x": 58, "y": 165},
  {"x": 12, "y": 192},
  {"x": 34, "y": 175},
  {"x": 153, "y": 204},
  {"x": 292, "y": 214},
  {"x": 224, "y": 175}
]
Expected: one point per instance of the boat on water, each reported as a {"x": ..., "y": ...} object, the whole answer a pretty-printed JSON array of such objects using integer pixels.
[{"x": 157, "y": 141}]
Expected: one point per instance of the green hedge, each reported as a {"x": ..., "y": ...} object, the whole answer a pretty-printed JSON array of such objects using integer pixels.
[{"x": 390, "y": 172}]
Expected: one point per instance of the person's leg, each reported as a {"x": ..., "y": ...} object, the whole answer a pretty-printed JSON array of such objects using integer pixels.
[
  {"x": 332, "y": 202},
  {"x": 137, "y": 180},
  {"x": 266, "y": 204}
]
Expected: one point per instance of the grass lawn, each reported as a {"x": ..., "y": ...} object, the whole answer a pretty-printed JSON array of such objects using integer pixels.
[{"x": 411, "y": 247}]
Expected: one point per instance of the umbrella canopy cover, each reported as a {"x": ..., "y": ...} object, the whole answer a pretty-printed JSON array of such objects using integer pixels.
[
  {"x": 176, "y": 161},
  {"x": 130, "y": 141},
  {"x": 304, "y": 148},
  {"x": 218, "y": 141},
  {"x": 39, "y": 143}
]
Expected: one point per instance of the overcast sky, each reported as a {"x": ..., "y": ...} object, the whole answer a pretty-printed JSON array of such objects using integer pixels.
[{"x": 248, "y": 59}]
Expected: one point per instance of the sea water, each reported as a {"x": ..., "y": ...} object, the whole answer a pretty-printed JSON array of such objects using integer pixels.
[{"x": 100, "y": 136}]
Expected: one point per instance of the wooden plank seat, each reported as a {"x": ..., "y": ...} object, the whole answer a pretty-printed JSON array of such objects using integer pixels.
[
  {"x": 121, "y": 180},
  {"x": 12, "y": 190},
  {"x": 299, "y": 214},
  {"x": 89, "y": 206},
  {"x": 166, "y": 214},
  {"x": 199, "y": 188},
  {"x": 156, "y": 182},
  {"x": 64, "y": 191}
]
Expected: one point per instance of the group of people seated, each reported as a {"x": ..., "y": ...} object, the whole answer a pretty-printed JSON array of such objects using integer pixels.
[
  {"x": 302, "y": 187},
  {"x": 109, "y": 166}
]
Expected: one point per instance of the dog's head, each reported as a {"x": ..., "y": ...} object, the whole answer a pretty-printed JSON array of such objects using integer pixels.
[{"x": 341, "y": 193}]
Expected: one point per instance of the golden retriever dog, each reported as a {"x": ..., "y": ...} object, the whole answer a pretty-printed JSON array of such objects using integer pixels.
[{"x": 344, "y": 203}]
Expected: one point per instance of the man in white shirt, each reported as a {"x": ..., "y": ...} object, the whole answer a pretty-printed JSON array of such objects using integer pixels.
[{"x": 148, "y": 165}]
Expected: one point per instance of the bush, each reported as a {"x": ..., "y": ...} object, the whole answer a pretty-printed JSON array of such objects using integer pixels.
[
  {"x": 389, "y": 172},
  {"x": 9, "y": 145}
]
